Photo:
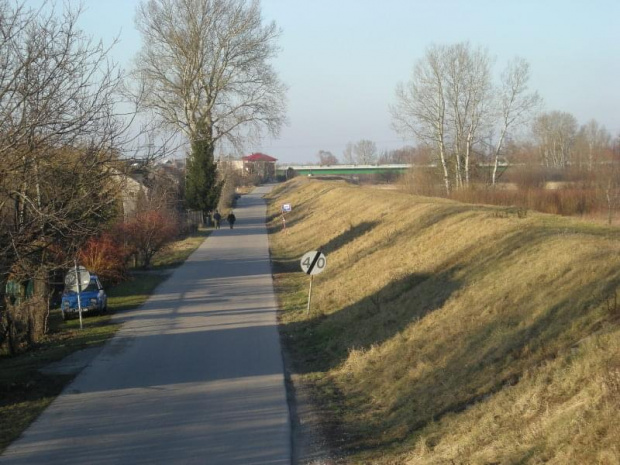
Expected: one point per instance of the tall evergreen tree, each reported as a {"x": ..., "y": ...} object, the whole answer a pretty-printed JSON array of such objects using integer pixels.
[{"x": 202, "y": 188}]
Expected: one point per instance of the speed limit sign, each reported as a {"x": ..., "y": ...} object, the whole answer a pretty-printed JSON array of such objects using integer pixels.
[{"x": 313, "y": 262}]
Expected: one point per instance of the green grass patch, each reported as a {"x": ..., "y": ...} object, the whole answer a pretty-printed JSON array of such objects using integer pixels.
[
  {"x": 176, "y": 253},
  {"x": 23, "y": 399},
  {"x": 134, "y": 292},
  {"x": 25, "y": 392}
]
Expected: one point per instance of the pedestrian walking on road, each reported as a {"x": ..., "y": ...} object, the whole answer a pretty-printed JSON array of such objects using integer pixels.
[
  {"x": 216, "y": 219},
  {"x": 231, "y": 218}
]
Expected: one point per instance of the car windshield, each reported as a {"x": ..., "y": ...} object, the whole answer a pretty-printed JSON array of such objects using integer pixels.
[{"x": 92, "y": 286}]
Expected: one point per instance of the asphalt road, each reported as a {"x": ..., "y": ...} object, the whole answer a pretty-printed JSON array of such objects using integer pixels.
[{"x": 194, "y": 376}]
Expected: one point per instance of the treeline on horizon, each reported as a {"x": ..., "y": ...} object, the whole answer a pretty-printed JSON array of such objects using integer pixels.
[{"x": 485, "y": 139}]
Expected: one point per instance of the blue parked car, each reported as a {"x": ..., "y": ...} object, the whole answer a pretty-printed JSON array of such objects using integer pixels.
[{"x": 93, "y": 299}]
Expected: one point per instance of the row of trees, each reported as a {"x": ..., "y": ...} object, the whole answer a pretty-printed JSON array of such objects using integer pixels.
[
  {"x": 365, "y": 152},
  {"x": 60, "y": 137},
  {"x": 203, "y": 73},
  {"x": 562, "y": 143},
  {"x": 452, "y": 104},
  {"x": 556, "y": 141},
  {"x": 463, "y": 118}
]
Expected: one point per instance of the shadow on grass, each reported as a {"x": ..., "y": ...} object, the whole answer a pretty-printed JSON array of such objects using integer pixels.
[
  {"x": 474, "y": 367},
  {"x": 324, "y": 342},
  {"x": 481, "y": 367},
  {"x": 300, "y": 211},
  {"x": 349, "y": 236},
  {"x": 291, "y": 265}
]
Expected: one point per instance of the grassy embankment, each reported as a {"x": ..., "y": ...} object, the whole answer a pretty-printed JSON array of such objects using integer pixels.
[
  {"x": 25, "y": 392},
  {"x": 450, "y": 333}
]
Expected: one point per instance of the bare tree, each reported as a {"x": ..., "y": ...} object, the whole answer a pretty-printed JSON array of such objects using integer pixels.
[
  {"x": 58, "y": 93},
  {"x": 445, "y": 105},
  {"x": 515, "y": 105},
  {"x": 405, "y": 155},
  {"x": 421, "y": 107},
  {"x": 468, "y": 93},
  {"x": 205, "y": 69},
  {"x": 594, "y": 140},
  {"x": 555, "y": 133},
  {"x": 606, "y": 173},
  {"x": 60, "y": 140},
  {"x": 326, "y": 158},
  {"x": 365, "y": 152},
  {"x": 450, "y": 102},
  {"x": 348, "y": 156}
]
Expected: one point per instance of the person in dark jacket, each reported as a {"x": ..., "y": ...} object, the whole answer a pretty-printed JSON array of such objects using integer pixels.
[
  {"x": 231, "y": 218},
  {"x": 216, "y": 219}
]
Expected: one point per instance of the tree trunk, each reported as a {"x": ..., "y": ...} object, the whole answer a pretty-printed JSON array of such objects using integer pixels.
[
  {"x": 446, "y": 174},
  {"x": 458, "y": 176},
  {"x": 467, "y": 157},
  {"x": 498, "y": 149},
  {"x": 609, "y": 203}
]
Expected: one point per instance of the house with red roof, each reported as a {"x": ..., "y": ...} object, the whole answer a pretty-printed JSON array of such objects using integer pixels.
[{"x": 260, "y": 165}]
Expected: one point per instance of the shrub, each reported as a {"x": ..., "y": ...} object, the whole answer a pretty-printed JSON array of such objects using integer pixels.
[
  {"x": 229, "y": 191},
  {"x": 569, "y": 201},
  {"x": 148, "y": 232},
  {"x": 528, "y": 177},
  {"x": 105, "y": 256},
  {"x": 423, "y": 181}
]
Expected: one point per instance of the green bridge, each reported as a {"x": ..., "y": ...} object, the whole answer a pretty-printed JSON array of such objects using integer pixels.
[{"x": 328, "y": 170}]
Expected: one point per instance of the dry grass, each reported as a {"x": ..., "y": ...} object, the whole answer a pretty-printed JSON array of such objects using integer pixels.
[
  {"x": 565, "y": 201},
  {"x": 452, "y": 333}
]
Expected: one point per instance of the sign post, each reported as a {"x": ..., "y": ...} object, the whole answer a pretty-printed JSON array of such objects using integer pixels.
[
  {"x": 286, "y": 208},
  {"x": 75, "y": 279},
  {"x": 309, "y": 296},
  {"x": 312, "y": 263}
]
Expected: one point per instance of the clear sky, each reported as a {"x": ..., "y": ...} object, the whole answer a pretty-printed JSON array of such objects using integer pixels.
[{"x": 342, "y": 59}]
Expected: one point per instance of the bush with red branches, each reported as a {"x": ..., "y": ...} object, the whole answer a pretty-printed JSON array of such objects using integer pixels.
[
  {"x": 105, "y": 256},
  {"x": 148, "y": 232}
]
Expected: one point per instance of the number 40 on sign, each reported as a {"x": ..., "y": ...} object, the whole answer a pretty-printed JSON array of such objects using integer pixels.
[{"x": 313, "y": 263}]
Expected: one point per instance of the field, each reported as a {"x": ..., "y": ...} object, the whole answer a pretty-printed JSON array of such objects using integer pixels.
[{"x": 450, "y": 333}]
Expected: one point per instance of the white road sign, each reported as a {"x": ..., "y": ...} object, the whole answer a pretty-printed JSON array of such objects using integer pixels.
[
  {"x": 286, "y": 207},
  {"x": 71, "y": 281},
  {"x": 313, "y": 262}
]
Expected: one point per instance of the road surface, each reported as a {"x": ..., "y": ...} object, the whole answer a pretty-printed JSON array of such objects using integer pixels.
[{"x": 194, "y": 376}]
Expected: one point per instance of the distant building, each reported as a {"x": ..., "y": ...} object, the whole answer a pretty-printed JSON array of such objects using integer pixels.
[
  {"x": 261, "y": 165},
  {"x": 131, "y": 187},
  {"x": 226, "y": 164}
]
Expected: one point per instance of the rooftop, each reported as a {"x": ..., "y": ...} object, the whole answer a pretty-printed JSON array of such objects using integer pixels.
[{"x": 259, "y": 157}]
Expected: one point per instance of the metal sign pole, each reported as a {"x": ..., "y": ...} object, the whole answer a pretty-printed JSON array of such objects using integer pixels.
[
  {"x": 309, "y": 296},
  {"x": 79, "y": 287},
  {"x": 313, "y": 262}
]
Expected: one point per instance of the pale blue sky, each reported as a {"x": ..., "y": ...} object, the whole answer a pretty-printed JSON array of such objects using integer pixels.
[{"x": 343, "y": 58}]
